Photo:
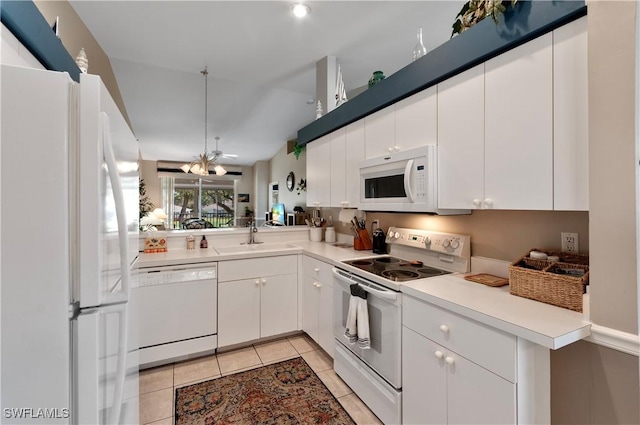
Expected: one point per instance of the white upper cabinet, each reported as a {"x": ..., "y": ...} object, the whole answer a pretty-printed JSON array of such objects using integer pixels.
[
  {"x": 407, "y": 124},
  {"x": 354, "y": 152},
  {"x": 461, "y": 140},
  {"x": 347, "y": 150},
  {"x": 379, "y": 132},
  {"x": 519, "y": 127},
  {"x": 570, "y": 117},
  {"x": 319, "y": 172},
  {"x": 338, "y": 167},
  {"x": 417, "y": 120}
]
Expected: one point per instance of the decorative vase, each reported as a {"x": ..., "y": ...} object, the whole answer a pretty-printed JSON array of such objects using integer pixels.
[
  {"x": 82, "y": 61},
  {"x": 419, "y": 51},
  {"x": 376, "y": 78}
]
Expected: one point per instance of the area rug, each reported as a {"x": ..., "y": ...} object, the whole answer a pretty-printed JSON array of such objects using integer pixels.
[{"x": 288, "y": 392}]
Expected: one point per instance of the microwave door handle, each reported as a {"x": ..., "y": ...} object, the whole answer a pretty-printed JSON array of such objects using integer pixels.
[{"x": 407, "y": 180}]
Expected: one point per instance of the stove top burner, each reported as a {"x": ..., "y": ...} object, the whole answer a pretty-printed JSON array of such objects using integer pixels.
[
  {"x": 396, "y": 269},
  {"x": 361, "y": 263},
  {"x": 398, "y": 275},
  {"x": 431, "y": 272},
  {"x": 386, "y": 260}
]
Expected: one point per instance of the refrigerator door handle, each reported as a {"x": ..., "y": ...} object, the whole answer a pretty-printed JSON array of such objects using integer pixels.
[{"x": 121, "y": 217}]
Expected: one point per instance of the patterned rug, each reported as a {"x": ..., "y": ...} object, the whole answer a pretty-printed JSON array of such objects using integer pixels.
[{"x": 288, "y": 392}]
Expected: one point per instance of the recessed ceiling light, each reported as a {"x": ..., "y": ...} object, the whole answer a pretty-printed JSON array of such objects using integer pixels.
[{"x": 300, "y": 10}]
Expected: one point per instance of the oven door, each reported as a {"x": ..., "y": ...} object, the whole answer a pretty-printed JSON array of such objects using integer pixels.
[{"x": 385, "y": 311}]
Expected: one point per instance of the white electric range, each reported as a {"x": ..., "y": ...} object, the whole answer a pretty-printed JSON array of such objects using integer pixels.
[{"x": 374, "y": 374}]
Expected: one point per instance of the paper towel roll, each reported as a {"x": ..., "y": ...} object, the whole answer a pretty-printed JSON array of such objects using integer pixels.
[{"x": 346, "y": 214}]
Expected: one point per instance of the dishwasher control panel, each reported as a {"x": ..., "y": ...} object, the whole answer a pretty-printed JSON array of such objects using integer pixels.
[{"x": 164, "y": 275}]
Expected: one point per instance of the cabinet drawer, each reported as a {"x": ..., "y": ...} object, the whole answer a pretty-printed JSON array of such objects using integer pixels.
[
  {"x": 484, "y": 345},
  {"x": 257, "y": 267},
  {"x": 316, "y": 269}
]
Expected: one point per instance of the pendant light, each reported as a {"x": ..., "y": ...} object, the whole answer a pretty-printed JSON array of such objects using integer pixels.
[{"x": 206, "y": 160}]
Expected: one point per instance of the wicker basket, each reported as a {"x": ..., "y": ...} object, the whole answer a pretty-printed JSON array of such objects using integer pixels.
[{"x": 558, "y": 283}]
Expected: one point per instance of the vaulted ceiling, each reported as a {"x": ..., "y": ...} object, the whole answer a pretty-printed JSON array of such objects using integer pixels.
[{"x": 261, "y": 62}]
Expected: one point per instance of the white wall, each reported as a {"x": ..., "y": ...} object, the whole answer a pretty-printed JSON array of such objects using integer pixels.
[
  {"x": 245, "y": 185},
  {"x": 283, "y": 163},
  {"x": 260, "y": 188}
]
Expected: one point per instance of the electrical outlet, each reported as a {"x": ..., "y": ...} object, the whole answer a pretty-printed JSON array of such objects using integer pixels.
[
  {"x": 376, "y": 222},
  {"x": 569, "y": 242}
]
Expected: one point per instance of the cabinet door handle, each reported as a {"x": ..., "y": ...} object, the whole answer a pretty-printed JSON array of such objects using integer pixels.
[
  {"x": 476, "y": 202},
  {"x": 444, "y": 329},
  {"x": 439, "y": 354},
  {"x": 317, "y": 269},
  {"x": 488, "y": 203},
  {"x": 449, "y": 360},
  {"x": 257, "y": 282},
  {"x": 264, "y": 281}
]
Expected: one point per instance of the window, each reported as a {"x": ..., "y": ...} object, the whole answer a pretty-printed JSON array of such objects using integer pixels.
[{"x": 196, "y": 203}]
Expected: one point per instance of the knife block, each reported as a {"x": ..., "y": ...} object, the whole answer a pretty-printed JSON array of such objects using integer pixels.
[{"x": 363, "y": 241}]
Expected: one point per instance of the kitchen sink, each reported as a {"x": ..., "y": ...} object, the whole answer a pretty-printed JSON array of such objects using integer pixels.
[{"x": 256, "y": 247}]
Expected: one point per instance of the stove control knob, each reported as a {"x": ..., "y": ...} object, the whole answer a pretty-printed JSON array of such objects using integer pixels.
[
  {"x": 455, "y": 243},
  {"x": 397, "y": 235},
  {"x": 446, "y": 243},
  {"x": 427, "y": 241}
]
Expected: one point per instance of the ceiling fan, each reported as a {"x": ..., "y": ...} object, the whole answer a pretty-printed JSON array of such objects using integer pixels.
[{"x": 218, "y": 154}]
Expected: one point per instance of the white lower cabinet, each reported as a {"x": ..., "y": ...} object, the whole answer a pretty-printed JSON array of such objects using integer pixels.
[
  {"x": 442, "y": 387},
  {"x": 257, "y": 298},
  {"x": 467, "y": 375},
  {"x": 317, "y": 303}
]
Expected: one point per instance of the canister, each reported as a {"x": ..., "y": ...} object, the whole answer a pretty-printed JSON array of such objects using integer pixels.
[
  {"x": 330, "y": 234},
  {"x": 191, "y": 242}
]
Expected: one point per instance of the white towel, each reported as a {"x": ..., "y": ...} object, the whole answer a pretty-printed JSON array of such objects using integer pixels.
[
  {"x": 357, "y": 326},
  {"x": 351, "y": 330},
  {"x": 362, "y": 320}
]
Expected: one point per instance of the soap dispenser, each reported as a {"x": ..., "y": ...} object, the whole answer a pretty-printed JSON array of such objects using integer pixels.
[{"x": 203, "y": 242}]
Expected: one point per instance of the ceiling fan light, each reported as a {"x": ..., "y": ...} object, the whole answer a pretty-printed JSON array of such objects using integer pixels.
[
  {"x": 186, "y": 168},
  {"x": 195, "y": 169},
  {"x": 219, "y": 169}
]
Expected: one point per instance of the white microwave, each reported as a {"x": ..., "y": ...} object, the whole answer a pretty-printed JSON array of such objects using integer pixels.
[{"x": 405, "y": 181}]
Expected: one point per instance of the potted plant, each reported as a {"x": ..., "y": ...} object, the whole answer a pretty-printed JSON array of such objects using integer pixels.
[{"x": 475, "y": 11}]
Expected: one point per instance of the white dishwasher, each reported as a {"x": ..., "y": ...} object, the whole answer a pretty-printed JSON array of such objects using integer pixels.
[{"x": 177, "y": 312}]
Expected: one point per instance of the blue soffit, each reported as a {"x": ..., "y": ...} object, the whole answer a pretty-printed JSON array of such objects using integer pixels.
[
  {"x": 520, "y": 24},
  {"x": 26, "y": 22}
]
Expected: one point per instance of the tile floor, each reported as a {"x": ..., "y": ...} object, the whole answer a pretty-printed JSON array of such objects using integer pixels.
[{"x": 158, "y": 385}]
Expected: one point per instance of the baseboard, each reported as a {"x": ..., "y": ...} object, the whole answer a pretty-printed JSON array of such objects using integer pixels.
[{"x": 615, "y": 339}]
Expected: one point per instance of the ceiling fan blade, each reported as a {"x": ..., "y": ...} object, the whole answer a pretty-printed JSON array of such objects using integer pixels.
[{"x": 229, "y": 155}]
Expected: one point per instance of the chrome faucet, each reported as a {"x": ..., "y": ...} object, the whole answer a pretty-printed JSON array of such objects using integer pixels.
[{"x": 252, "y": 230}]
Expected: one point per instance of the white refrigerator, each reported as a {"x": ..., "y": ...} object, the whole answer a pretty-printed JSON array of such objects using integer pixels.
[{"x": 69, "y": 241}]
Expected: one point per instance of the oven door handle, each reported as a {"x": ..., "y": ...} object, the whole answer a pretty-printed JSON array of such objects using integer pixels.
[{"x": 387, "y": 295}]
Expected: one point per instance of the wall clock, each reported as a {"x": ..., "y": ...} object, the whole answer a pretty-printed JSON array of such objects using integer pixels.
[{"x": 290, "y": 181}]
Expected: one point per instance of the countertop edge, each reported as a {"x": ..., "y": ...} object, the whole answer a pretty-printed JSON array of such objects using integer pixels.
[{"x": 573, "y": 327}]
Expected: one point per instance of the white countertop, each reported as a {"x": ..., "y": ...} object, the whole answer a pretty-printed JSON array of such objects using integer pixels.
[
  {"x": 320, "y": 250},
  {"x": 544, "y": 324},
  {"x": 547, "y": 325}
]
